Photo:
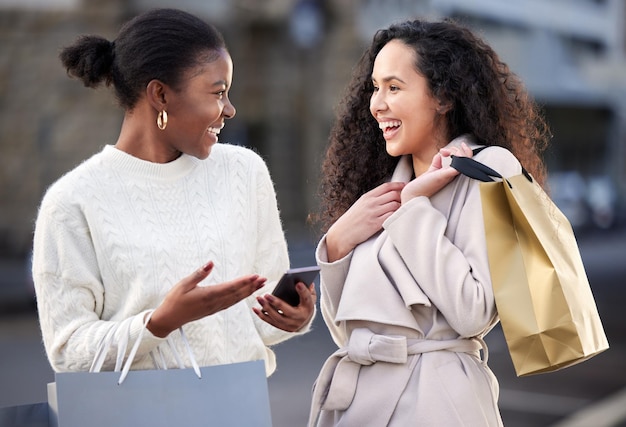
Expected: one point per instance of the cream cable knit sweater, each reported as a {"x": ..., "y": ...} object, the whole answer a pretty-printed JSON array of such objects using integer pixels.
[{"x": 116, "y": 233}]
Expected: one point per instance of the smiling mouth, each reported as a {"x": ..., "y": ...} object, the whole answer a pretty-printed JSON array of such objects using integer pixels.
[
  {"x": 389, "y": 127},
  {"x": 215, "y": 131},
  {"x": 389, "y": 124}
]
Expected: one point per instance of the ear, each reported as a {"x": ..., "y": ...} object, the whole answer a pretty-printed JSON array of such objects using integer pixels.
[
  {"x": 156, "y": 93},
  {"x": 443, "y": 106}
]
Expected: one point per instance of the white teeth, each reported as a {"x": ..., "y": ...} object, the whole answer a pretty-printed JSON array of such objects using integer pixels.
[
  {"x": 216, "y": 131},
  {"x": 390, "y": 124}
]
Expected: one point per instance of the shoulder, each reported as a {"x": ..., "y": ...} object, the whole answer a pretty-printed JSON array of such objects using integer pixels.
[
  {"x": 76, "y": 182},
  {"x": 236, "y": 153},
  {"x": 239, "y": 160},
  {"x": 65, "y": 200},
  {"x": 501, "y": 160}
]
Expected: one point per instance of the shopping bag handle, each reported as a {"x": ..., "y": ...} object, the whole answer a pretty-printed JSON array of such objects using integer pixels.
[
  {"x": 105, "y": 344},
  {"x": 473, "y": 169},
  {"x": 124, "y": 367},
  {"x": 133, "y": 351},
  {"x": 479, "y": 171}
]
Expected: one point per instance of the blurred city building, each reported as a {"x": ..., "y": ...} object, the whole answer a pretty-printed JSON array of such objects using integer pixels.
[{"x": 292, "y": 60}]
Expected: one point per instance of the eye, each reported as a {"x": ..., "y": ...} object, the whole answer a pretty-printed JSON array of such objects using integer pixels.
[
  {"x": 220, "y": 93},
  {"x": 393, "y": 88},
  {"x": 374, "y": 88}
]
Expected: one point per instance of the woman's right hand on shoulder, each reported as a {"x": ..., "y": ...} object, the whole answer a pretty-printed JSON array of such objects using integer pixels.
[
  {"x": 187, "y": 301},
  {"x": 364, "y": 218}
]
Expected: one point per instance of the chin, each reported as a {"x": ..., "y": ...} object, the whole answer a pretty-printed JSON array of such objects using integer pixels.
[
  {"x": 205, "y": 155},
  {"x": 206, "y": 151},
  {"x": 201, "y": 155},
  {"x": 393, "y": 151}
]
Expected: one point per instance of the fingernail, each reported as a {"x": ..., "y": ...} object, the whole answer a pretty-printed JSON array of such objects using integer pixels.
[{"x": 208, "y": 266}]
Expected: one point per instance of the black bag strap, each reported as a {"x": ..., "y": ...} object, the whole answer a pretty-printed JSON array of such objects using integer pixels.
[
  {"x": 476, "y": 170},
  {"x": 473, "y": 169}
]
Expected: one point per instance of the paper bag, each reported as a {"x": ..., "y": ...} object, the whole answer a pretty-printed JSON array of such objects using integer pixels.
[
  {"x": 546, "y": 307},
  {"x": 231, "y": 395}
]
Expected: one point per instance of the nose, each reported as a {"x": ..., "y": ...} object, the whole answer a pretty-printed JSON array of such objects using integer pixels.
[
  {"x": 229, "y": 109},
  {"x": 377, "y": 103}
]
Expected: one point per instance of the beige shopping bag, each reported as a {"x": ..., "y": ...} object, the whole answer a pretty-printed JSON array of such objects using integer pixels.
[{"x": 546, "y": 307}]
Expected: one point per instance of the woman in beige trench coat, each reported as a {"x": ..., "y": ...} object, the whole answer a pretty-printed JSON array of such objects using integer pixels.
[{"x": 406, "y": 289}]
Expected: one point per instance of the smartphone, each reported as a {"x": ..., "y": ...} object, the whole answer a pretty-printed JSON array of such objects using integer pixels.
[{"x": 286, "y": 287}]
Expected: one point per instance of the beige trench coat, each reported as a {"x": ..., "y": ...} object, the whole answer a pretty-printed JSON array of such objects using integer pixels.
[{"x": 408, "y": 309}]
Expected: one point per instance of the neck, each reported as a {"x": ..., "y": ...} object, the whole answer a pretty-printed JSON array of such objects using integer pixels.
[
  {"x": 422, "y": 161},
  {"x": 142, "y": 141}
]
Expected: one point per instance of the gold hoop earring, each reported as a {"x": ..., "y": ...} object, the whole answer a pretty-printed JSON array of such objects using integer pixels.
[{"x": 162, "y": 120}]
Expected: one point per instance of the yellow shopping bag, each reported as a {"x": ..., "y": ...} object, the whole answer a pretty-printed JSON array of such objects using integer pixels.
[{"x": 546, "y": 307}]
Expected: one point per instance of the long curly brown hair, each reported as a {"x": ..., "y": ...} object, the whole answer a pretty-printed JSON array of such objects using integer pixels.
[{"x": 488, "y": 101}]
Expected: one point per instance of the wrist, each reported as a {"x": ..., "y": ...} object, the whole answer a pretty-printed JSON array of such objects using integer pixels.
[
  {"x": 157, "y": 326},
  {"x": 406, "y": 196},
  {"x": 336, "y": 247}
]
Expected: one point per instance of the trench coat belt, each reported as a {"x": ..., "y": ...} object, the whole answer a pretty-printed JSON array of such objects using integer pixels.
[{"x": 336, "y": 384}]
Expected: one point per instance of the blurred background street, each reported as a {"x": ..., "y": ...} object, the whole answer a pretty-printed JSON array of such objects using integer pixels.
[
  {"x": 591, "y": 394},
  {"x": 292, "y": 60}
]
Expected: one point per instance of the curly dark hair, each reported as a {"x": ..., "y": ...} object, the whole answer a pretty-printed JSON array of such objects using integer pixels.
[{"x": 487, "y": 99}]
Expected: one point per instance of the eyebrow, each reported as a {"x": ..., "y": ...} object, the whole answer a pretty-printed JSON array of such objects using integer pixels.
[
  {"x": 220, "y": 83},
  {"x": 390, "y": 78}
]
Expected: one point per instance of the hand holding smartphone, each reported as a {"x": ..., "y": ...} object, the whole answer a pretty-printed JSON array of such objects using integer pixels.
[{"x": 286, "y": 287}]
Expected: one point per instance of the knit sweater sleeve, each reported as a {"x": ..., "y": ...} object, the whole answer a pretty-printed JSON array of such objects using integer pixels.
[
  {"x": 272, "y": 258},
  {"x": 69, "y": 289}
]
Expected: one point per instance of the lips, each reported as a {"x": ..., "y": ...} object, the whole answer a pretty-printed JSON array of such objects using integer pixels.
[
  {"x": 389, "y": 127},
  {"x": 389, "y": 123},
  {"x": 215, "y": 130}
]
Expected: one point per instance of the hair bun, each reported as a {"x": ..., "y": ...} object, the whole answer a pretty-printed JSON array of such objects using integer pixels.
[{"x": 89, "y": 59}]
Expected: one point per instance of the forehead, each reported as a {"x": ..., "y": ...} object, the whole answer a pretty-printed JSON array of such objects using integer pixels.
[
  {"x": 214, "y": 65},
  {"x": 395, "y": 57}
]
